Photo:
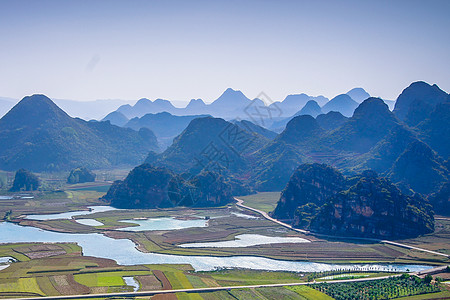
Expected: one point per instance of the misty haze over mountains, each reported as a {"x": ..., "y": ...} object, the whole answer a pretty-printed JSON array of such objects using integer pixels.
[
  {"x": 370, "y": 137},
  {"x": 229, "y": 105}
]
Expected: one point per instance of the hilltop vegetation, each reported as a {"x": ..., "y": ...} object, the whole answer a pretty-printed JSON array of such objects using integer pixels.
[
  {"x": 251, "y": 158},
  {"x": 38, "y": 135},
  {"x": 157, "y": 187},
  {"x": 25, "y": 181},
  {"x": 321, "y": 199},
  {"x": 81, "y": 175}
]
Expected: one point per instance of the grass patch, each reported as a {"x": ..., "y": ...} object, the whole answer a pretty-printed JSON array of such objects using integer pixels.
[
  {"x": 309, "y": 293},
  {"x": 250, "y": 277},
  {"x": 178, "y": 280},
  {"x": 25, "y": 285},
  {"x": 266, "y": 201},
  {"x": 188, "y": 296}
]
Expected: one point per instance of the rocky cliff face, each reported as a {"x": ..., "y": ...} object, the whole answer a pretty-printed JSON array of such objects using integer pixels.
[
  {"x": 374, "y": 207},
  {"x": 154, "y": 187},
  {"x": 310, "y": 183},
  {"x": 320, "y": 198}
]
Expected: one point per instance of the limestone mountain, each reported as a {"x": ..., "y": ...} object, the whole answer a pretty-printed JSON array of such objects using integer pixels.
[
  {"x": 36, "y": 134},
  {"x": 155, "y": 187},
  {"x": 210, "y": 143},
  {"x": 384, "y": 154},
  {"x": 342, "y": 103},
  {"x": 418, "y": 101},
  {"x": 311, "y": 108},
  {"x": 196, "y": 106},
  {"x": 310, "y": 183},
  {"x": 116, "y": 118},
  {"x": 435, "y": 130},
  {"x": 24, "y": 180},
  {"x": 420, "y": 168},
  {"x": 253, "y": 128},
  {"x": 164, "y": 125},
  {"x": 145, "y": 106},
  {"x": 230, "y": 100},
  {"x": 331, "y": 120},
  {"x": 358, "y": 94},
  {"x": 301, "y": 130},
  {"x": 81, "y": 175},
  {"x": 374, "y": 207},
  {"x": 294, "y": 103},
  {"x": 274, "y": 165},
  {"x": 370, "y": 123}
]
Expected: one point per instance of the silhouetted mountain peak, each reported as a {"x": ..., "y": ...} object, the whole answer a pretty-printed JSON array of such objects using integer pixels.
[
  {"x": 331, "y": 120},
  {"x": 195, "y": 103},
  {"x": 300, "y": 129},
  {"x": 358, "y": 94},
  {"x": 373, "y": 108},
  {"x": 417, "y": 101},
  {"x": 116, "y": 118},
  {"x": 231, "y": 99},
  {"x": 34, "y": 110},
  {"x": 311, "y": 108},
  {"x": 371, "y": 122},
  {"x": 342, "y": 103},
  {"x": 296, "y": 99},
  {"x": 143, "y": 101}
]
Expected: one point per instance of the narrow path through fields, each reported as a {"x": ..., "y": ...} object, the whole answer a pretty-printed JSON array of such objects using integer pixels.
[{"x": 221, "y": 288}]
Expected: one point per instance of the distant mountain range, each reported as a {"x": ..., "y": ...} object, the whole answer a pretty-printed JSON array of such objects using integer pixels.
[
  {"x": 36, "y": 134},
  {"x": 372, "y": 138},
  {"x": 165, "y": 125},
  {"x": 410, "y": 149},
  {"x": 233, "y": 104}
]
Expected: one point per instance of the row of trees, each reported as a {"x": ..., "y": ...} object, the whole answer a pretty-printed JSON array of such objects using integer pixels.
[{"x": 389, "y": 288}]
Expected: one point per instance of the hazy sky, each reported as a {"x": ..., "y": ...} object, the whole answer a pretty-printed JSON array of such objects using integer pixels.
[{"x": 179, "y": 50}]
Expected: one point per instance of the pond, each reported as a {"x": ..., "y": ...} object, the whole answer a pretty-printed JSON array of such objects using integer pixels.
[
  {"x": 247, "y": 240},
  {"x": 131, "y": 281},
  {"x": 70, "y": 214},
  {"x": 166, "y": 223},
  {"x": 124, "y": 252},
  {"x": 89, "y": 222}
]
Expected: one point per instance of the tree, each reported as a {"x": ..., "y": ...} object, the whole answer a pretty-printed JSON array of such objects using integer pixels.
[
  {"x": 25, "y": 181},
  {"x": 428, "y": 278}
]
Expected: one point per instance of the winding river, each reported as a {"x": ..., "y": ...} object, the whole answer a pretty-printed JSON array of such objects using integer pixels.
[{"x": 124, "y": 252}]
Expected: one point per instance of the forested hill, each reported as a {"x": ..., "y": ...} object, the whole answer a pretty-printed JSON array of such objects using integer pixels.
[{"x": 37, "y": 135}]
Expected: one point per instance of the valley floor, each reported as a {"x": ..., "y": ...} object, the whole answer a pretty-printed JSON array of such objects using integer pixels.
[{"x": 61, "y": 269}]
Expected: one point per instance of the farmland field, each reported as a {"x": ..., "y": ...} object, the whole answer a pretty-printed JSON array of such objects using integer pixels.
[{"x": 60, "y": 268}]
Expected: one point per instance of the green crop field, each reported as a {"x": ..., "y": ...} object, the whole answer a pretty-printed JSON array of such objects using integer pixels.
[
  {"x": 309, "y": 293},
  {"x": 266, "y": 201},
  {"x": 29, "y": 285}
]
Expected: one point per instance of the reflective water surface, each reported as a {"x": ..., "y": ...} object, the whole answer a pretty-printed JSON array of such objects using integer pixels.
[{"x": 124, "y": 252}]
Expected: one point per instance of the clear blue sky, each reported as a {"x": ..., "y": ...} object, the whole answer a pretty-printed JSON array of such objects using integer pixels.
[{"x": 180, "y": 50}]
